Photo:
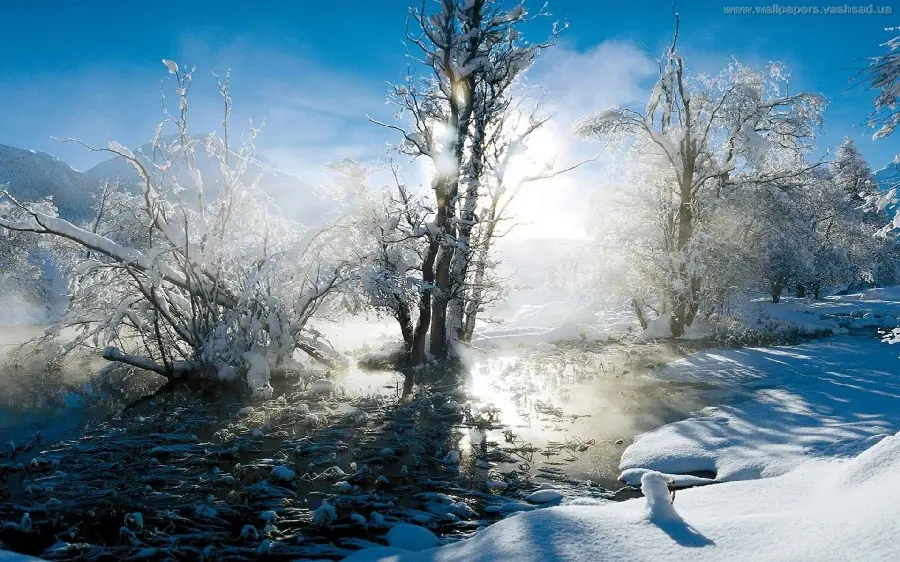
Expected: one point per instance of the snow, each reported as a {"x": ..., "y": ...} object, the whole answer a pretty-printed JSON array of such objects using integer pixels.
[
  {"x": 554, "y": 322},
  {"x": 826, "y": 509},
  {"x": 544, "y": 496},
  {"x": 657, "y": 329},
  {"x": 828, "y": 397},
  {"x": 283, "y": 473},
  {"x": 655, "y": 488},
  {"x": 6, "y": 556},
  {"x": 257, "y": 373},
  {"x": 322, "y": 386},
  {"x": 411, "y": 537}
]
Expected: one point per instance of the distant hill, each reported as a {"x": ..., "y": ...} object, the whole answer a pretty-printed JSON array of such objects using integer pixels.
[
  {"x": 298, "y": 199},
  {"x": 30, "y": 175}
]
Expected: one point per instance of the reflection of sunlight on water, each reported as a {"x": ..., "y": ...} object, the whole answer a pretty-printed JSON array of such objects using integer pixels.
[
  {"x": 368, "y": 382},
  {"x": 484, "y": 386}
]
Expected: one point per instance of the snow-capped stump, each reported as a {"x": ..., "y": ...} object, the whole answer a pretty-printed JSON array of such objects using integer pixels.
[
  {"x": 358, "y": 519},
  {"x": 256, "y": 433},
  {"x": 655, "y": 487},
  {"x": 283, "y": 473},
  {"x": 411, "y": 537},
  {"x": 245, "y": 411},
  {"x": 452, "y": 457},
  {"x": 311, "y": 420},
  {"x": 322, "y": 386},
  {"x": 303, "y": 409},
  {"x": 546, "y": 347},
  {"x": 497, "y": 485},
  {"x": 268, "y": 516},
  {"x": 544, "y": 496}
]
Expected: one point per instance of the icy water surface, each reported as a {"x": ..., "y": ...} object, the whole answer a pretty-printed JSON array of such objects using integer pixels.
[{"x": 313, "y": 475}]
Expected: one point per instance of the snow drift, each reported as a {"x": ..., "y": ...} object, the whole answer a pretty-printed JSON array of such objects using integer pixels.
[{"x": 824, "y": 510}]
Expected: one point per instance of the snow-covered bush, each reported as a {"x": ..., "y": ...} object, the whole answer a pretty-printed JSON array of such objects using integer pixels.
[{"x": 184, "y": 283}]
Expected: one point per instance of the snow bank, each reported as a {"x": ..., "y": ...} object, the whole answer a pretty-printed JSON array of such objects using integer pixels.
[
  {"x": 824, "y": 510},
  {"x": 552, "y": 323},
  {"x": 657, "y": 329},
  {"x": 829, "y": 397},
  {"x": 411, "y": 537}
]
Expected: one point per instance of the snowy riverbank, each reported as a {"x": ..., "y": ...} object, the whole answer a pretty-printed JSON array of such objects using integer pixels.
[
  {"x": 804, "y": 457},
  {"x": 825, "y": 509}
]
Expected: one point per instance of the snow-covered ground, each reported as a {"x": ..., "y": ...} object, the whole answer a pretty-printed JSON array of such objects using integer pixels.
[
  {"x": 561, "y": 321},
  {"x": 825, "y": 509},
  {"x": 554, "y": 322},
  {"x": 828, "y": 397}
]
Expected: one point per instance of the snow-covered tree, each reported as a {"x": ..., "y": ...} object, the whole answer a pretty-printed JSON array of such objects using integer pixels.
[
  {"x": 715, "y": 135},
  {"x": 852, "y": 173},
  {"x": 474, "y": 53},
  {"x": 185, "y": 285},
  {"x": 21, "y": 259},
  {"x": 883, "y": 76}
]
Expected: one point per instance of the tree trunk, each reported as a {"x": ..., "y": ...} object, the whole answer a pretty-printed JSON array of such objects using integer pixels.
[
  {"x": 816, "y": 290},
  {"x": 404, "y": 318},
  {"x": 639, "y": 312},
  {"x": 801, "y": 290},
  {"x": 775, "y": 290},
  {"x": 417, "y": 351},
  {"x": 473, "y": 307},
  {"x": 685, "y": 308},
  {"x": 441, "y": 297}
]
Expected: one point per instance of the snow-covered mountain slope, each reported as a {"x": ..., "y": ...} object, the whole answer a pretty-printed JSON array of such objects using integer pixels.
[
  {"x": 30, "y": 175},
  {"x": 887, "y": 177},
  {"x": 298, "y": 199}
]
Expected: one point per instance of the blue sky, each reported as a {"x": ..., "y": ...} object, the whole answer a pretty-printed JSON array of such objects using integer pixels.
[{"x": 314, "y": 69}]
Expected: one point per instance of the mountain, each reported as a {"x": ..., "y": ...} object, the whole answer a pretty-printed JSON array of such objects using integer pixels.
[
  {"x": 30, "y": 175},
  {"x": 298, "y": 199},
  {"x": 887, "y": 177}
]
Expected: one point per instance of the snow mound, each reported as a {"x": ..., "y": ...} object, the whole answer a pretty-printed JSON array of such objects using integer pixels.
[
  {"x": 824, "y": 510},
  {"x": 544, "y": 496},
  {"x": 657, "y": 329},
  {"x": 375, "y": 553},
  {"x": 411, "y": 537}
]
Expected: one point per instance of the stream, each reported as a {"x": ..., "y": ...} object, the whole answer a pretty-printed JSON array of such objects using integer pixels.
[{"x": 312, "y": 474}]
